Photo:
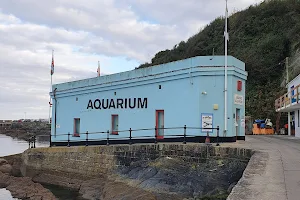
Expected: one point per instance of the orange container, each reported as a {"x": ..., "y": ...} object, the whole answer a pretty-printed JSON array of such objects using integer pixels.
[{"x": 256, "y": 130}]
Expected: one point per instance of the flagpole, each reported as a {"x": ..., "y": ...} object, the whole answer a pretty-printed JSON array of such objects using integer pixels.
[
  {"x": 98, "y": 69},
  {"x": 225, "y": 84},
  {"x": 50, "y": 102}
]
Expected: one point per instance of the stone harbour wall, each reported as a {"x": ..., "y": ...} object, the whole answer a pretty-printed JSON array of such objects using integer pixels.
[
  {"x": 85, "y": 162},
  {"x": 156, "y": 171}
]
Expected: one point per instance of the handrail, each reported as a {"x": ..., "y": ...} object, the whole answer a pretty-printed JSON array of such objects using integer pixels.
[
  {"x": 130, "y": 137},
  {"x": 288, "y": 98}
]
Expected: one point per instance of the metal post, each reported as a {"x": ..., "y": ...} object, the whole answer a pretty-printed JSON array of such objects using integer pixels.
[
  {"x": 130, "y": 137},
  {"x": 87, "y": 139},
  {"x": 184, "y": 134},
  {"x": 225, "y": 84},
  {"x": 31, "y": 142},
  {"x": 207, "y": 139},
  {"x": 287, "y": 69},
  {"x": 68, "y": 139},
  {"x": 155, "y": 135},
  {"x": 50, "y": 141},
  {"x": 289, "y": 124},
  {"x": 34, "y": 141},
  {"x": 107, "y": 141},
  {"x": 218, "y": 128}
]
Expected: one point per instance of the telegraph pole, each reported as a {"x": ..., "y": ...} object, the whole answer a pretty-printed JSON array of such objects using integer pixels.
[
  {"x": 287, "y": 81},
  {"x": 287, "y": 69}
]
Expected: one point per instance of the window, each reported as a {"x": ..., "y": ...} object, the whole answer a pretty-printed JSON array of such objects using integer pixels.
[
  {"x": 76, "y": 127},
  {"x": 114, "y": 124},
  {"x": 159, "y": 118},
  {"x": 239, "y": 85}
]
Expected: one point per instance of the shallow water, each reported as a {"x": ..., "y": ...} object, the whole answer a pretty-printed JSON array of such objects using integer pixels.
[
  {"x": 5, "y": 195},
  {"x": 9, "y": 146}
]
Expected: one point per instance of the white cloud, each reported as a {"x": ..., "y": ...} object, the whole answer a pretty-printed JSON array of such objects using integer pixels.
[{"x": 83, "y": 32}]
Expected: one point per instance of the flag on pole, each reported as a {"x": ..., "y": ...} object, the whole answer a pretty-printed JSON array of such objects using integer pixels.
[
  {"x": 52, "y": 65},
  {"x": 98, "y": 70},
  {"x": 226, "y": 34}
]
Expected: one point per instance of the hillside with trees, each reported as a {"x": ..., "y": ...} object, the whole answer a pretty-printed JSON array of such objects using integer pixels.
[{"x": 262, "y": 36}]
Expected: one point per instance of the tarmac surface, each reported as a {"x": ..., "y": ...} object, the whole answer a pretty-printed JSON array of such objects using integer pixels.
[{"x": 273, "y": 171}]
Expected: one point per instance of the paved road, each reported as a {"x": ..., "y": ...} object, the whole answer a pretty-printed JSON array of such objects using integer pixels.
[{"x": 277, "y": 174}]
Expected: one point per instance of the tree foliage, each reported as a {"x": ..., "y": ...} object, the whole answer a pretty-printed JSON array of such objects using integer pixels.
[{"x": 262, "y": 36}]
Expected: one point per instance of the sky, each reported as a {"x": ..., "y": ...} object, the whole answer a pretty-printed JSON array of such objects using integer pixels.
[{"x": 121, "y": 34}]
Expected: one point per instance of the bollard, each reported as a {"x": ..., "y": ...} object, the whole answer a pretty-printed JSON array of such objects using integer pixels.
[
  {"x": 207, "y": 139},
  {"x": 218, "y": 128},
  {"x": 87, "y": 139},
  {"x": 68, "y": 139},
  {"x": 184, "y": 134},
  {"x": 107, "y": 141},
  {"x": 130, "y": 138}
]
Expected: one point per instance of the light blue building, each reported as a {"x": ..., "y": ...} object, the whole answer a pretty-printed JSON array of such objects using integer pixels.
[{"x": 162, "y": 99}]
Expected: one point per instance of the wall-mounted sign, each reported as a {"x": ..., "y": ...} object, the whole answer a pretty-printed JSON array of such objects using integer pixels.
[
  {"x": 238, "y": 99},
  {"x": 117, "y": 103},
  {"x": 243, "y": 123},
  {"x": 207, "y": 122}
]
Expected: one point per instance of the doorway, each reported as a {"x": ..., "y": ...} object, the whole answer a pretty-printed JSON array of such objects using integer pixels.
[
  {"x": 114, "y": 124},
  {"x": 159, "y": 124}
]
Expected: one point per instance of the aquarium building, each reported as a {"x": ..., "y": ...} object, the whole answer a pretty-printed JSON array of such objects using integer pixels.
[{"x": 161, "y": 103}]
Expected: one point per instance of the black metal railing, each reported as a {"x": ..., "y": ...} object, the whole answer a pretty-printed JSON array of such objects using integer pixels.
[
  {"x": 131, "y": 138},
  {"x": 32, "y": 141},
  {"x": 40, "y": 139}
]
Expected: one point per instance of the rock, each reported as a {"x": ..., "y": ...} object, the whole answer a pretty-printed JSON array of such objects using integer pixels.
[
  {"x": 231, "y": 187},
  {"x": 3, "y": 161},
  {"x": 25, "y": 188},
  {"x": 4, "y": 178},
  {"x": 103, "y": 188},
  {"x": 6, "y": 168}
]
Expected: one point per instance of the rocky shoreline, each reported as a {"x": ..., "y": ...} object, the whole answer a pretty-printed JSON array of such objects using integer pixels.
[{"x": 22, "y": 187}]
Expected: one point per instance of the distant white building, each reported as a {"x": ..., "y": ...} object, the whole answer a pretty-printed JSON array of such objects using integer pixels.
[{"x": 290, "y": 103}]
